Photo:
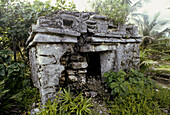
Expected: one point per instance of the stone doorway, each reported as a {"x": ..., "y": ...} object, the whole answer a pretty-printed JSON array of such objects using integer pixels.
[{"x": 94, "y": 67}]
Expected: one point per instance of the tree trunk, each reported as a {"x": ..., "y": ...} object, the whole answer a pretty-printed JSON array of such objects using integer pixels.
[{"x": 14, "y": 48}]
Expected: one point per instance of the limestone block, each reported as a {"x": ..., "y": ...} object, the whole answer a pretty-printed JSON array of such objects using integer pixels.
[
  {"x": 82, "y": 80},
  {"x": 105, "y": 40},
  {"x": 70, "y": 72},
  {"x": 52, "y": 69},
  {"x": 92, "y": 30},
  {"x": 107, "y": 61},
  {"x": 34, "y": 67},
  {"x": 91, "y": 22},
  {"x": 77, "y": 58},
  {"x": 97, "y": 48},
  {"x": 131, "y": 40},
  {"x": 102, "y": 27},
  {"x": 43, "y": 60},
  {"x": 72, "y": 78},
  {"x": 108, "y": 35},
  {"x": 79, "y": 65},
  {"x": 53, "y": 80},
  {"x": 139, "y": 40},
  {"x": 98, "y": 17},
  {"x": 85, "y": 16},
  {"x": 55, "y": 30},
  {"x": 45, "y": 38},
  {"x": 47, "y": 91},
  {"x": 119, "y": 53},
  {"x": 82, "y": 71},
  {"x": 57, "y": 50},
  {"x": 104, "y": 48},
  {"x": 82, "y": 27}
]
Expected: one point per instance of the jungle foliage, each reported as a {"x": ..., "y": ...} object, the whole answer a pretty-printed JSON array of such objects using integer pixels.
[
  {"x": 118, "y": 10},
  {"x": 134, "y": 93},
  {"x": 17, "y": 92},
  {"x": 66, "y": 103},
  {"x": 16, "y": 18}
]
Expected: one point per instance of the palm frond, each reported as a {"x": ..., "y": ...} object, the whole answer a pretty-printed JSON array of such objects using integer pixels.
[
  {"x": 164, "y": 22},
  {"x": 146, "y": 1},
  {"x": 135, "y": 6},
  {"x": 129, "y": 2},
  {"x": 153, "y": 23}
]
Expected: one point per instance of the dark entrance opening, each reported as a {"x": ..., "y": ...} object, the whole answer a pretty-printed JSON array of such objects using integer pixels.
[{"x": 93, "y": 60}]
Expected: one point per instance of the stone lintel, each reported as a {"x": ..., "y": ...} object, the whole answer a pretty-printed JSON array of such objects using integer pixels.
[
  {"x": 130, "y": 40},
  {"x": 115, "y": 35},
  {"x": 55, "y": 31},
  {"x": 97, "y": 48},
  {"x": 100, "y": 17},
  {"x": 44, "y": 38},
  {"x": 138, "y": 40},
  {"x": 113, "y": 40}
]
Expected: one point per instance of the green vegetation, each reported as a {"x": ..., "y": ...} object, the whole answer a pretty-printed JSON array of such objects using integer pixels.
[
  {"x": 119, "y": 82},
  {"x": 135, "y": 94},
  {"x": 145, "y": 100},
  {"x": 117, "y": 10},
  {"x": 66, "y": 103},
  {"x": 17, "y": 93},
  {"x": 16, "y": 17}
]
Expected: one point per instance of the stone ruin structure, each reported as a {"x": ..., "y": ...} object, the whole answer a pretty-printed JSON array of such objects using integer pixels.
[{"x": 73, "y": 49}]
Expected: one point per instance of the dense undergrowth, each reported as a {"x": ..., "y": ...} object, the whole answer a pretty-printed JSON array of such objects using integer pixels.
[
  {"x": 66, "y": 103},
  {"x": 131, "y": 93},
  {"x": 16, "y": 91}
]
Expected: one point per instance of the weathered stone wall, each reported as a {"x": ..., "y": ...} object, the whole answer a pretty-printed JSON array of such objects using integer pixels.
[{"x": 72, "y": 49}]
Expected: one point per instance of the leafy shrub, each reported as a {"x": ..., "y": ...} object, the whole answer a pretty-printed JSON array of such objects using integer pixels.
[
  {"x": 114, "y": 9},
  {"x": 4, "y": 107},
  {"x": 135, "y": 94},
  {"x": 118, "y": 82},
  {"x": 20, "y": 94},
  {"x": 65, "y": 104}
]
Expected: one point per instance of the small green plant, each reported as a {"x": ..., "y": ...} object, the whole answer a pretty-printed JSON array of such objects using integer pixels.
[
  {"x": 66, "y": 103},
  {"x": 118, "y": 82}
]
